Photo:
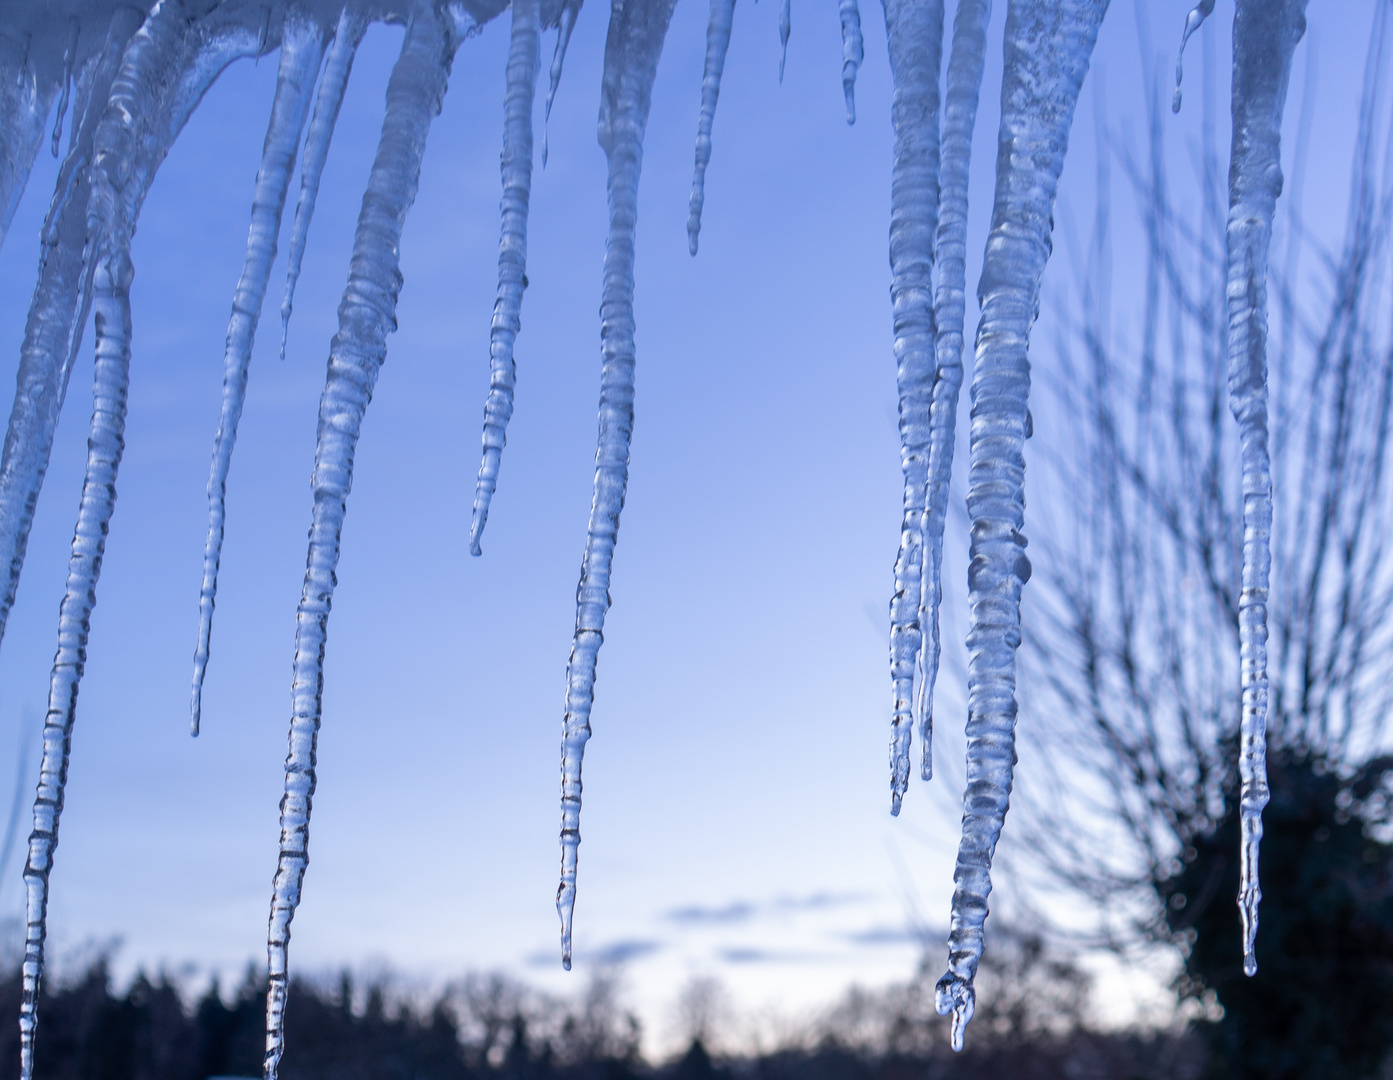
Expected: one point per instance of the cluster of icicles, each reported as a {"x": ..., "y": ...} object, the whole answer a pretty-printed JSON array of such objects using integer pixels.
[{"x": 141, "y": 76}]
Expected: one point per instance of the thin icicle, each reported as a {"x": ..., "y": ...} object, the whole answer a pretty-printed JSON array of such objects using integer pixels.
[
  {"x": 57, "y": 314},
  {"x": 959, "y": 118},
  {"x": 717, "y": 43},
  {"x": 367, "y": 314},
  {"x": 785, "y": 29},
  {"x": 523, "y": 60},
  {"x": 567, "y": 23},
  {"x": 853, "y": 52},
  {"x": 635, "y": 41},
  {"x": 149, "y": 101},
  {"x": 1264, "y": 37},
  {"x": 69, "y": 59},
  {"x": 327, "y": 103},
  {"x": 1047, "y": 50},
  {"x": 914, "y": 35},
  {"x": 302, "y": 49},
  {"x": 1193, "y": 22}
]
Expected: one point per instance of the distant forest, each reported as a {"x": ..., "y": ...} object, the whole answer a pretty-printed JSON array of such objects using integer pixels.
[{"x": 491, "y": 1027}]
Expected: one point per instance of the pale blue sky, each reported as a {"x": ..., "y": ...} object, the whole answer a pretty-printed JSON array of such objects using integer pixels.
[{"x": 736, "y": 805}]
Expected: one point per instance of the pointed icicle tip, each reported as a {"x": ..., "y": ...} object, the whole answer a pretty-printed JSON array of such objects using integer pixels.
[
  {"x": 853, "y": 52},
  {"x": 564, "y": 27},
  {"x": 69, "y": 59},
  {"x": 1193, "y": 22},
  {"x": 785, "y": 28}
]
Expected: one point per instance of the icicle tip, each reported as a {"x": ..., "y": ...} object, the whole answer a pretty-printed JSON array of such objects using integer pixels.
[{"x": 954, "y": 994}]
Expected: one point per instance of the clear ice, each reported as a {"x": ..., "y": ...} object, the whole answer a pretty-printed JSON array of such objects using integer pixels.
[
  {"x": 914, "y": 32},
  {"x": 161, "y": 79},
  {"x": 124, "y": 102},
  {"x": 565, "y": 24},
  {"x": 634, "y": 43},
  {"x": 1048, "y": 46},
  {"x": 717, "y": 42},
  {"x": 852, "y": 53},
  {"x": 1265, "y": 34},
  {"x": 328, "y": 100},
  {"x": 302, "y": 49},
  {"x": 367, "y": 314},
  {"x": 959, "y": 118},
  {"x": 523, "y": 58}
]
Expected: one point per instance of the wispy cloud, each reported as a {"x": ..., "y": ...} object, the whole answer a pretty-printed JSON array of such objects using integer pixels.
[
  {"x": 767, "y": 956},
  {"x": 886, "y": 935},
  {"x": 613, "y": 952},
  {"x": 743, "y": 911}
]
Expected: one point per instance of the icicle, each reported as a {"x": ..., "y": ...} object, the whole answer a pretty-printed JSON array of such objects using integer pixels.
[
  {"x": 302, "y": 48},
  {"x": 959, "y": 118},
  {"x": 1047, "y": 49},
  {"x": 56, "y": 315},
  {"x": 853, "y": 53},
  {"x": 1193, "y": 22},
  {"x": 367, "y": 315},
  {"x": 632, "y": 48},
  {"x": 523, "y": 58},
  {"x": 717, "y": 42},
  {"x": 914, "y": 35},
  {"x": 785, "y": 29},
  {"x": 162, "y": 76},
  {"x": 1264, "y": 37},
  {"x": 567, "y": 23},
  {"x": 23, "y": 110},
  {"x": 69, "y": 59},
  {"x": 337, "y": 67}
]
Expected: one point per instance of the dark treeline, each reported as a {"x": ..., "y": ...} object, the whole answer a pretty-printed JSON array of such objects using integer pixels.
[{"x": 490, "y": 1028}]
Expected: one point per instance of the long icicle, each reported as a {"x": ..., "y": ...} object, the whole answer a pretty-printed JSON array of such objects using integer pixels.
[
  {"x": 338, "y": 65},
  {"x": 634, "y": 43},
  {"x": 853, "y": 52},
  {"x": 718, "y": 29},
  {"x": 959, "y": 118},
  {"x": 148, "y": 104},
  {"x": 1264, "y": 37},
  {"x": 523, "y": 61},
  {"x": 302, "y": 49},
  {"x": 367, "y": 314},
  {"x": 565, "y": 24},
  {"x": 57, "y": 314},
  {"x": 914, "y": 35},
  {"x": 1047, "y": 50}
]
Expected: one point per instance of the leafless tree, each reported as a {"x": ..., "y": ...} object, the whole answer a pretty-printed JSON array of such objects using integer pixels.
[{"x": 1131, "y": 709}]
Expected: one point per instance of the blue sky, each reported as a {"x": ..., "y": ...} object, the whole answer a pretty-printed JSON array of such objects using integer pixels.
[{"x": 736, "y": 805}]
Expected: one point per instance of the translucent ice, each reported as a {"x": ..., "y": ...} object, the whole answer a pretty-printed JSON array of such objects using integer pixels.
[
  {"x": 1264, "y": 37},
  {"x": 914, "y": 32},
  {"x": 717, "y": 42},
  {"x": 1047, "y": 50},
  {"x": 523, "y": 58},
  {"x": 853, "y": 52},
  {"x": 959, "y": 118},
  {"x": 634, "y": 43},
  {"x": 302, "y": 49},
  {"x": 338, "y": 65},
  {"x": 161, "y": 79},
  {"x": 367, "y": 314}
]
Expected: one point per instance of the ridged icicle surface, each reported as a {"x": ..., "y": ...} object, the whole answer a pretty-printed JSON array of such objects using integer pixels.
[
  {"x": 718, "y": 27},
  {"x": 524, "y": 53},
  {"x": 367, "y": 314},
  {"x": 162, "y": 77},
  {"x": 634, "y": 43},
  {"x": 1048, "y": 46},
  {"x": 1265, "y": 33},
  {"x": 959, "y": 118},
  {"x": 914, "y": 33},
  {"x": 302, "y": 49}
]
